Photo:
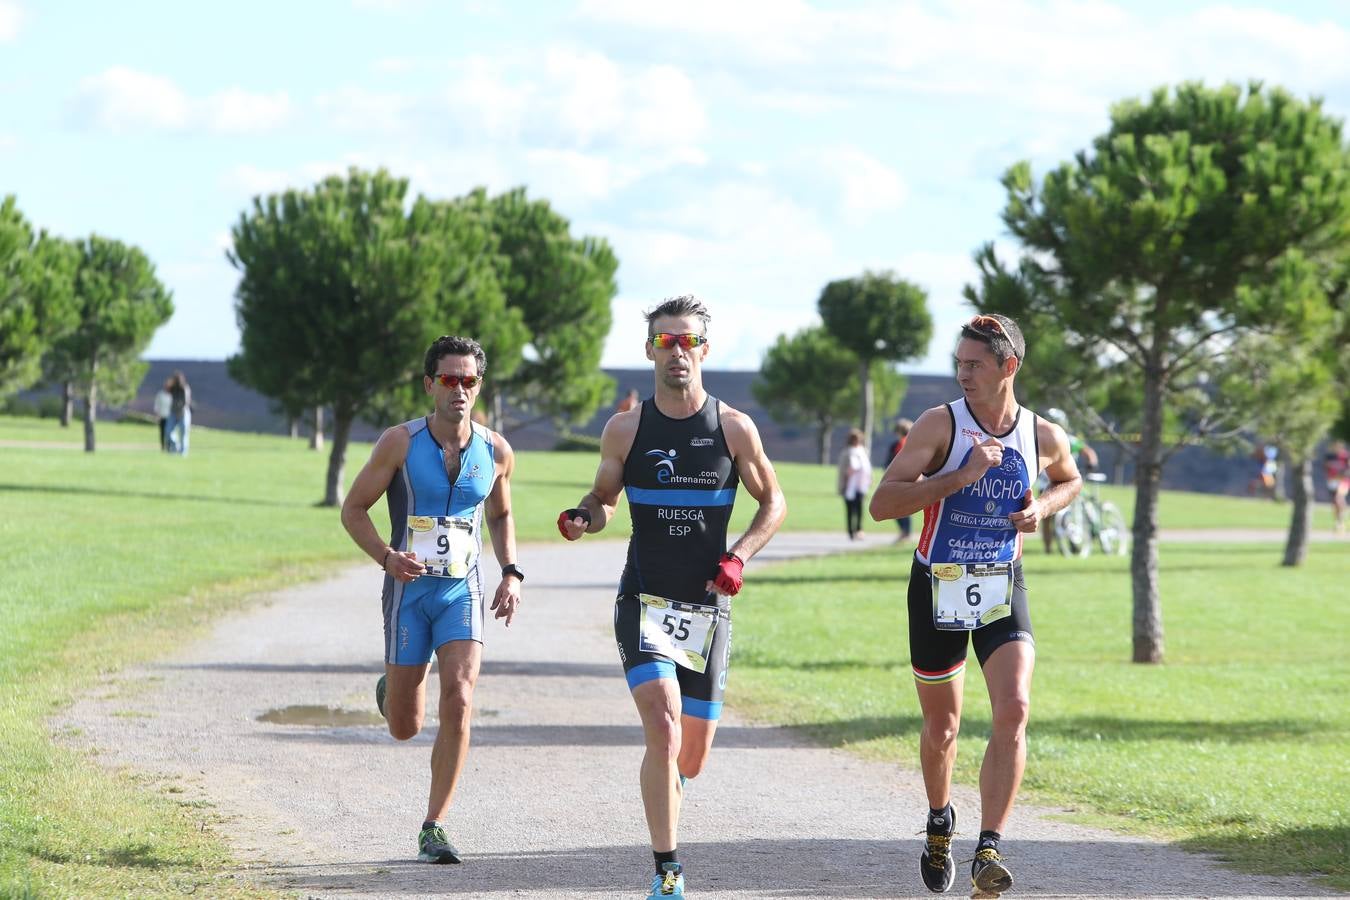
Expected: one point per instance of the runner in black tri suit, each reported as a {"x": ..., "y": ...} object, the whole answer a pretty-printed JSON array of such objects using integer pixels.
[
  {"x": 969, "y": 465},
  {"x": 679, "y": 457}
]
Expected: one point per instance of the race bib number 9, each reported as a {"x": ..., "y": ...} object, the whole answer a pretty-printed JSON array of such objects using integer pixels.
[
  {"x": 968, "y": 596},
  {"x": 681, "y": 632},
  {"x": 444, "y": 544}
]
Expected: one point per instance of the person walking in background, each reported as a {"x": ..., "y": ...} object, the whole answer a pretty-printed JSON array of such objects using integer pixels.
[
  {"x": 443, "y": 478},
  {"x": 163, "y": 407},
  {"x": 969, "y": 465},
  {"x": 902, "y": 427},
  {"x": 1264, "y": 480},
  {"x": 855, "y": 480},
  {"x": 630, "y": 401},
  {"x": 679, "y": 456},
  {"x": 180, "y": 413},
  {"x": 1336, "y": 467}
]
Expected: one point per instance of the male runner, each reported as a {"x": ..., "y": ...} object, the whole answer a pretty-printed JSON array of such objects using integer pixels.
[
  {"x": 678, "y": 456},
  {"x": 969, "y": 466},
  {"x": 445, "y": 476}
]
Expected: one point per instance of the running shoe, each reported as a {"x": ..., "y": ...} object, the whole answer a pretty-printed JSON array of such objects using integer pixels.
[
  {"x": 434, "y": 847},
  {"x": 380, "y": 688},
  {"x": 936, "y": 864},
  {"x": 988, "y": 875},
  {"x": 670, "y": 883}
]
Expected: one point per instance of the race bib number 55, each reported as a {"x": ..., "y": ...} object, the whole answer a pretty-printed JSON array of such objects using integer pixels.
[
  {"x": 968, "y": 596},
  {"x": 681, "y": 632},
  {"x": 444, "y": 544}
]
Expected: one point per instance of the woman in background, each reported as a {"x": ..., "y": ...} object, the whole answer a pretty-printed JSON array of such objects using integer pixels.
[{"x": 855, "y": 480}]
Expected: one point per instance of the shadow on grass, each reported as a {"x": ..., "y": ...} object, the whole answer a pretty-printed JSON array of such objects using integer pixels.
[
  {"x": 1290, "y": 851},
  {"x": 144, "y": 495},
  {"x": 138, "y": 856}
]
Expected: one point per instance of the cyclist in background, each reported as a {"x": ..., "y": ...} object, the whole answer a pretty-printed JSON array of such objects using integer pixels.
[{"x": 1082, "y": 452}]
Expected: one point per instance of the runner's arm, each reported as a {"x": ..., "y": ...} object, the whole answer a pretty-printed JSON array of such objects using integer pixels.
[
  {"x": 1059, "y": 466},
  {"x": 502, "y": 528},
  {"x": 501, "y": 524},
  {"x": 370, "y": 484},
  {"x": 756, "y": 473},
  {"x": 603, "y": 497},
  {"x": 904, "y": 490}
]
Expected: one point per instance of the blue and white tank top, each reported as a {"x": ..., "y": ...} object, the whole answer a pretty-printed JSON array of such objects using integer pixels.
[{"x": 971, "y": 526}]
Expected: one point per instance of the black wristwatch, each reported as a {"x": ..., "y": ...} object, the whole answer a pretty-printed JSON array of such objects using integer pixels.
[{"x": 513, "y": 569}]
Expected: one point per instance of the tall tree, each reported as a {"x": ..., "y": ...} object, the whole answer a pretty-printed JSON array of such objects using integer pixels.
[
  {"x": 119, "y": 305},
  {"x": 336, "y": 298},
  {"x": 1155, "y": 243},
  {"x": 562, "y": 287},
  {"x": 878, "y": 316},
  {"x": 812, "y": 379},
  {"x": 1292, "y": 383},
  {"x": 468, "y": 301},
  {"x": 37, "y": 297}
]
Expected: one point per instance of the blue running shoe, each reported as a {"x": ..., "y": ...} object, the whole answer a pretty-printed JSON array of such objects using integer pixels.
[{"x": 670, "y": 883}]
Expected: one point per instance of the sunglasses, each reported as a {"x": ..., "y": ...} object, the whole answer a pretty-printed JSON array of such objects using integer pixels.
[
  {"x": 988, "y": 323},
  {"x": 664, "y": 340},
  {"x": 469, "y": 381}
]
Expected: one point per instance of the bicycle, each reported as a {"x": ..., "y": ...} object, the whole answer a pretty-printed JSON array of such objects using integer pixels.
[{"x": 1088, "y": 520}]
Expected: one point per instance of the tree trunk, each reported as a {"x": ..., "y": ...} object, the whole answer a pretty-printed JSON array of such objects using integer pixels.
[
  {"x": 823, "y": 440},
  {"x": 1148, "y": 627},
  {"x": 316, "y": 440},
  {"x": 867, "y": 402},
  {"x": 337, "y": 457},
  {"x": 1300, "y": 524},
  {"x": 67, "y": 403},
  {"x": 91, "y": 407}
]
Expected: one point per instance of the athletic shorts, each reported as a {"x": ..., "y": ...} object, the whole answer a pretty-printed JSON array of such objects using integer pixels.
[
  {"x": 422, "y": 614},
  {"x": 940, "y": 656},
  {"x": 700, "y": 694}
]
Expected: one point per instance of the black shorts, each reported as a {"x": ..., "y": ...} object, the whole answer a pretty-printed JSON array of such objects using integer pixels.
[
  {"x": 700, "y": 693},
  {"x": 940, "y": 656}
]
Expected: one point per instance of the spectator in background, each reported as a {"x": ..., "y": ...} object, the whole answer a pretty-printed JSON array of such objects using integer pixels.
[
  {"x": 1336, "y": 467},
  {"x": 855, "y": 480},
  {"x": 180, "y": 413},
  {"x": 1263, "y": 481},
  {"x": 1082, "y": 453},
  {"x": 902, "y": 427},
  {"x": 629, "y": 401},
  {"x": 163, "y": 406}
]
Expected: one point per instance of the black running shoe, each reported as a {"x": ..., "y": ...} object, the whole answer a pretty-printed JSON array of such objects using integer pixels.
[
  {"x": 936, "y": 864},
  {"x": 988, "y": 873},
  {"x": 434, "y": 847},
  {"x": 380, "y": 689}
]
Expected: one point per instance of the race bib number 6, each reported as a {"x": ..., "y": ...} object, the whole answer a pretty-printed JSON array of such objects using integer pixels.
[
  {"x": 968, "y": 596},
  {"x": 444, "y": 544},
  {"x": 681, "y": 632}
]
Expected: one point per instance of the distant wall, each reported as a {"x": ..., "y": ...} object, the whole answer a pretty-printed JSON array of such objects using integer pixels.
[{"x": 221, "y": 402}]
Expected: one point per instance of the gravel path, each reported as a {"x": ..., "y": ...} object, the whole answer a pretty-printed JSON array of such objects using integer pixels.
[{"x": 548, "y": 806}]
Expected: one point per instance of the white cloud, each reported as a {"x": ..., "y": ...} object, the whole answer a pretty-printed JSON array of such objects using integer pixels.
[
  {"x": 8, "y": 142},
  {"x": 235, "y": 111},
  {"x": 11, "y": 20},
  {"x": 121, "y": 99},
  {"x": 862, "y": 185},
  {"x": 361, "y": 110}
]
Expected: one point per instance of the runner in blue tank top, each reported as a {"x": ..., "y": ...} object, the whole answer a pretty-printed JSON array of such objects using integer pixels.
[
  {"x": 445, "y": 477},
  {"x": 679, "y": 457},
  {"x": 969, "y": 465}
]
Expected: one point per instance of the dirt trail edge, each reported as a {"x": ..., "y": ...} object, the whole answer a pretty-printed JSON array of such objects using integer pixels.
[{"x": 548, "y": 805}]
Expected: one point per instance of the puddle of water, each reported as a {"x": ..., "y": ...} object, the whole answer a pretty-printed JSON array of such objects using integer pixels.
[{"x": 321, "y": 716}]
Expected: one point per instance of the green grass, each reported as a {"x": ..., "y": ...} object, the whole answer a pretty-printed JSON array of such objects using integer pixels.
[
  {"x": 111, "y": 557},
  {"x": 1235, "y": 745}
]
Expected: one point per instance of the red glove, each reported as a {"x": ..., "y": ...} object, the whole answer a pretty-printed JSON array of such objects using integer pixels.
[
  {"x": 728, "y": 578},
  {"x": 568, "y": 515}
]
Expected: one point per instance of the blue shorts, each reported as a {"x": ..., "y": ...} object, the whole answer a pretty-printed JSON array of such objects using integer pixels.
[
  {"x": 700, "y": 694},
  {"x": 423, "y": 614}
]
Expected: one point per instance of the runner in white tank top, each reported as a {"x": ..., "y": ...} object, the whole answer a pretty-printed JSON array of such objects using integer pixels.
[{"x": 969, "y": 465}]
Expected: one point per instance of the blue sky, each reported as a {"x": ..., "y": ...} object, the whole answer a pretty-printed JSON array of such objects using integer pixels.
[{"x": 745, "y": 151}]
